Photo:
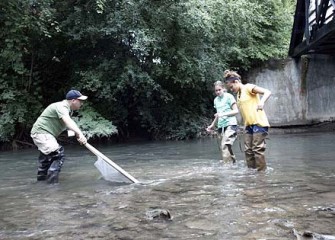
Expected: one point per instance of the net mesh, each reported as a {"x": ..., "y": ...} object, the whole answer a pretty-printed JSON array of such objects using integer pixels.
[{"x": 109, "y": 173}]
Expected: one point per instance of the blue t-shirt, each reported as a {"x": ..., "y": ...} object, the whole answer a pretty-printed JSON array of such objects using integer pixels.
[{"x": 224, "y": 104}]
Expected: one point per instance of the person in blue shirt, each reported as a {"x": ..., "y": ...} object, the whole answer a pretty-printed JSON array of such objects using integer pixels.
[{"x": 225, "y": 119}]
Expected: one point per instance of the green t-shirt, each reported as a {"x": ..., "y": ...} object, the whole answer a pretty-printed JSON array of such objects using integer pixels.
[
  {"x": 223, "y": 104},
  {"x": 50, "y": 121}
]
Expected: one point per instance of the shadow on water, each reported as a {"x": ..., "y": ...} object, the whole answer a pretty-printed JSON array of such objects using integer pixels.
[{"x": 206, "y": 199}]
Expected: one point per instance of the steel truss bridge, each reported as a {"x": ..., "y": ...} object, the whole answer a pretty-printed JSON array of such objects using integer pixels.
[{"x": 313, "y": 28}]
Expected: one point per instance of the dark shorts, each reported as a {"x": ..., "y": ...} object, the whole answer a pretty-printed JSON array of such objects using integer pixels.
[{"x": 256, "y": 129}]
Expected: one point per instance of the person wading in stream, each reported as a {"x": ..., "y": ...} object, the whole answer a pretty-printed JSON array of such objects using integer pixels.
[
  {"x": 226, "y": 109},
  {"x": 48, "y": 126},
  {"x": 255, "y": 120}
]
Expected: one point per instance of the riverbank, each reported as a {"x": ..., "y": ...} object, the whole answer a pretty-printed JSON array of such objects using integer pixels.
[{"x": 315, "y": 127}]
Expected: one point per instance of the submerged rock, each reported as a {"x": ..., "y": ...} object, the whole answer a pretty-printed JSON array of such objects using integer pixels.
[
  {"x": 162, "y": 214},
  {"x": 328, "y": 209},
  {"x": 306, "y": 235}
]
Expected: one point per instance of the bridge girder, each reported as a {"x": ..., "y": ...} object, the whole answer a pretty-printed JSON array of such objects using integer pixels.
[{"x": 313, "y": 28}]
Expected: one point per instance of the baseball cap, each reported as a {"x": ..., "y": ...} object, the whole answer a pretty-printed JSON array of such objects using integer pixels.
[{"x": 74, "y": 94}]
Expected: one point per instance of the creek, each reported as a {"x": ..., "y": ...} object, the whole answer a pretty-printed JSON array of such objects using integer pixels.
[{"x": 206, "y": 199}]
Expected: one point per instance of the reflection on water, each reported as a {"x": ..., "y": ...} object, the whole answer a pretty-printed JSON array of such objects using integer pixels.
[{"x": 206, "y": 199}]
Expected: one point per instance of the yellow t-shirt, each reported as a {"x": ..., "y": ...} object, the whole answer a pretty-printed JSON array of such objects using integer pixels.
[{"x": 247, "y": 102}]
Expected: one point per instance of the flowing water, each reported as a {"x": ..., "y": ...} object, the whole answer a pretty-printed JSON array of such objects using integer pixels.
[{"x": 206, "y": 199}]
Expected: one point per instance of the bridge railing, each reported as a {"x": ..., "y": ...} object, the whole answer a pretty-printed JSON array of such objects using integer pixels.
[{"x": 320, "y": 13}]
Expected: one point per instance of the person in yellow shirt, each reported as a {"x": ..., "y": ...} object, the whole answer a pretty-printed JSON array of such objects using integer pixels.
[{"x": 256, "y": 123}]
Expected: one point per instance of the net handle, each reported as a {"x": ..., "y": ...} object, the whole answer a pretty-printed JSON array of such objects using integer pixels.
[{"x": 110, "y": 162}]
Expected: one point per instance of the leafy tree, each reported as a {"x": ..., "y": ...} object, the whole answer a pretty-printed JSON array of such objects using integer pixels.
[
  {"x": 147, "y": 66},
  {"x": 19, "y": 103}
]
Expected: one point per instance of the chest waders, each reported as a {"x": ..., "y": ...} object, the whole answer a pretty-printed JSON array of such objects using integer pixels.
[
  {"x": 50, "y": 165},
  {"x": 254, "y": 150},
  {"x": 227, "y": 138}
]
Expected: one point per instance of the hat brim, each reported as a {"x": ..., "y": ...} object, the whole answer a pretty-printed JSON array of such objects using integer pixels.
[{"x": 82, "y": 97}]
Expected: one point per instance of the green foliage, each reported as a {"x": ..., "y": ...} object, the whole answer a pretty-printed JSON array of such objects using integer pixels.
[
  {"x": 17, "y": 112},
  {"x": 22, "y": 26},
  {"x": 93, "y": 124},
  {"x": 148, "y": 66}
]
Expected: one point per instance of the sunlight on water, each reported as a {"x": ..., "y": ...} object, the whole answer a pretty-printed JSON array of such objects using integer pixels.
[{"x": 207, "y": 200}]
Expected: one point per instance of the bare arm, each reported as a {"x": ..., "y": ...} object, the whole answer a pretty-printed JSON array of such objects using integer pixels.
[
  {"x": 70, "y": 124},
  {"x": 266, "y": 94},
  {"x": 210, "y": 127}
]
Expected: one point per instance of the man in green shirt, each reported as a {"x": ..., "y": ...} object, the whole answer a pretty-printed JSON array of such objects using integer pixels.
[{"x": 48, "y": 126}]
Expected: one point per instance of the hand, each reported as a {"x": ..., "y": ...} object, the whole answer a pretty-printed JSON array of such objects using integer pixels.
[
  {"x": 209, "y": 128},
  {"x": 260, "y": 106},
  {"x": 82, "y": 139}
]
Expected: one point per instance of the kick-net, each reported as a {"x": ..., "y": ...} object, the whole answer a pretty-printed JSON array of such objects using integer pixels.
[{"x": 109, "y": 169}]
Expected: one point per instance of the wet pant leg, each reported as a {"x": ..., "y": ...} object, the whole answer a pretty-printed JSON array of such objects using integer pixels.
[
  {"x": 227, "y": 155},
  {"x": 249, "y": 154},
  {"x": 228, "y": 138},
  {"x": 259, "y": 146}
]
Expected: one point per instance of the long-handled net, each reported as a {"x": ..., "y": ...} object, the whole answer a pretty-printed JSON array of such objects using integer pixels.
[{"x": 110, "y": 170}]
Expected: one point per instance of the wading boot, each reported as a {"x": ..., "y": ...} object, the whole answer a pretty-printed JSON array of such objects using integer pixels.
[
  {"x": 57, "y": 159},
  {"x": 43, "y": 166},
  {"x": 52, "y": 177},
  {"x": 42, "y": 175},
  {"x": 249, "y": 154},
  {"x": 227, "y": 155},
  {"x": 233, "y": 158},
  {"x": 260, "y": 162},
  {"x": 259, "y": 150},
  {"x": 53, "y": 172}
]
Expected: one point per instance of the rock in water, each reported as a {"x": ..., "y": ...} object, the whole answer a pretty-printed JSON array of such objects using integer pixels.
[
  {"x": 162, "y": 214},
  {"x": 306, "y": 235}
]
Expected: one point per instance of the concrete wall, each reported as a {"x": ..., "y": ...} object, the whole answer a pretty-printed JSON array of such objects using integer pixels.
[{"x": 303, "y": 91}]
